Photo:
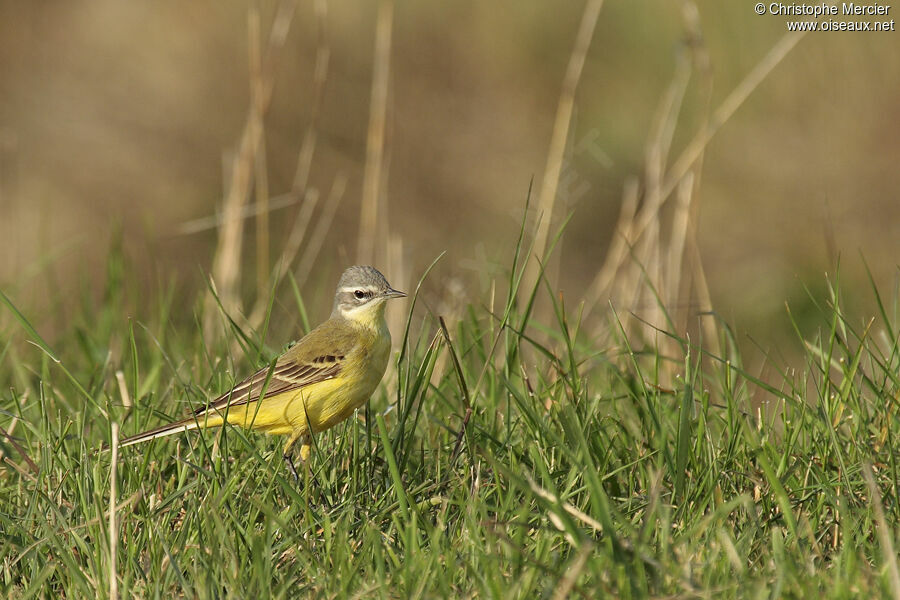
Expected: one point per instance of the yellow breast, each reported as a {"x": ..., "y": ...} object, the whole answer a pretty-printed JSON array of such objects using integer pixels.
[{"x": 330, "y": 402}]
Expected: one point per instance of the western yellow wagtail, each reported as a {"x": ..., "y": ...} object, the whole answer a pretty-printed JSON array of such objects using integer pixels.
[{"x": 318, "y": 382}]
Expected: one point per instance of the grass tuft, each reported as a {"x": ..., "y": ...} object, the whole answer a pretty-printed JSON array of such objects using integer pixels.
[{"x": 538, "y": 464}]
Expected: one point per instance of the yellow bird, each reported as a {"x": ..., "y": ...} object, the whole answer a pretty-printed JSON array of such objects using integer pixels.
[{"x": 318, "y": 382}]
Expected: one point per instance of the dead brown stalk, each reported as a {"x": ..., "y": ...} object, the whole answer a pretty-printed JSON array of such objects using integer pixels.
[
  {"x": 653, "y": 265},
  {"x": 227, "y": 258}
]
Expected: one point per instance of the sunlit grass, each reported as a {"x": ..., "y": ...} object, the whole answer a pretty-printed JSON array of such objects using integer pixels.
[{"x": 513, "y": 458}]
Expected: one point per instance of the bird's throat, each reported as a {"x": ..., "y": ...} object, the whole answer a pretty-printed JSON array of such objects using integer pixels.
[{"x": 370, "y": 316}]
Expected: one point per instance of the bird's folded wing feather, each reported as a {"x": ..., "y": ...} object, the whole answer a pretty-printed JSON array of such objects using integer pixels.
[{"x": 319, "y": 356}]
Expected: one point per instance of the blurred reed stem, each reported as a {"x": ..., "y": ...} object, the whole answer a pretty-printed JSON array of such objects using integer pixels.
[
  {"x": 227, "y": 258},
  {"x": 260, "y": 174},
  {"x": 565, "y": 106},
  {"x": 372, "y": 184},
  {"x": 644, "y": 270},
  {"x": 307, "y": 196}
]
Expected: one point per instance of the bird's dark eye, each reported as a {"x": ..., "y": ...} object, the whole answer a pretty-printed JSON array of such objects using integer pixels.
[{"x": 359, "y": 294}]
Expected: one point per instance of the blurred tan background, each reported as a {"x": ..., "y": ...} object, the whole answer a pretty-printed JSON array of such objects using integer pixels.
[{"x": 118, "y": 116}]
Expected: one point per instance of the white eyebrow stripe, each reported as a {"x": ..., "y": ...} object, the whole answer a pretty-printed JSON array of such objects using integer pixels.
[{"x": 365, "y": 288}]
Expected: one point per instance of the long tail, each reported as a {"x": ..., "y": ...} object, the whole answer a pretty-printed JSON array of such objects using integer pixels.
[{"x": 188, "y": 424}]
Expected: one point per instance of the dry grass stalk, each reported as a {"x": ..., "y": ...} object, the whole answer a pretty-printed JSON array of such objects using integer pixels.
[
  {"x": 295, "y": 239},
  {"x": 652, "y": 301},
  {"x": 451, "y": 302},
  {"x": 372, "y": 186},
  {"x": 687, "y": 210},
  {"x": 250, "y": 210},
  {"x": 317, "y": 239},
  {"x": 226, "y": 261},
  {"x": 396, "y": 265},
  {"x": 260, "y": 171},
  {"x": 300, "y": 189},
  {"x": 754, "y": 78},
  {"x": 320, "y": 74},
  {"x": 262, "y": 223},
  {"x": 619, "y": 246},
  {"x": 555, "y": 154},
  {"x": 307, "y": 148},
  {"x": 567, "y": 583},
  {"x": 642, "y": 262},
  {"x": 681, "y": 226},
  {"x": 14, "y": 422},
  {"x": 294, "y": 242},
  {"x": 123, "y": 390}
]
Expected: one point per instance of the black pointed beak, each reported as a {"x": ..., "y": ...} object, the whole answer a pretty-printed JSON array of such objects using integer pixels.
[{"x": 392, "y": 293}]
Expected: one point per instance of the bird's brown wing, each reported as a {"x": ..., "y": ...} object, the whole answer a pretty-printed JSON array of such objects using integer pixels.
[{"x": 319, "y": 356}]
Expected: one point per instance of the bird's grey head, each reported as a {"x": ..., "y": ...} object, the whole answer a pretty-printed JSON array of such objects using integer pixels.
[{"x": 361, "y": 286}]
